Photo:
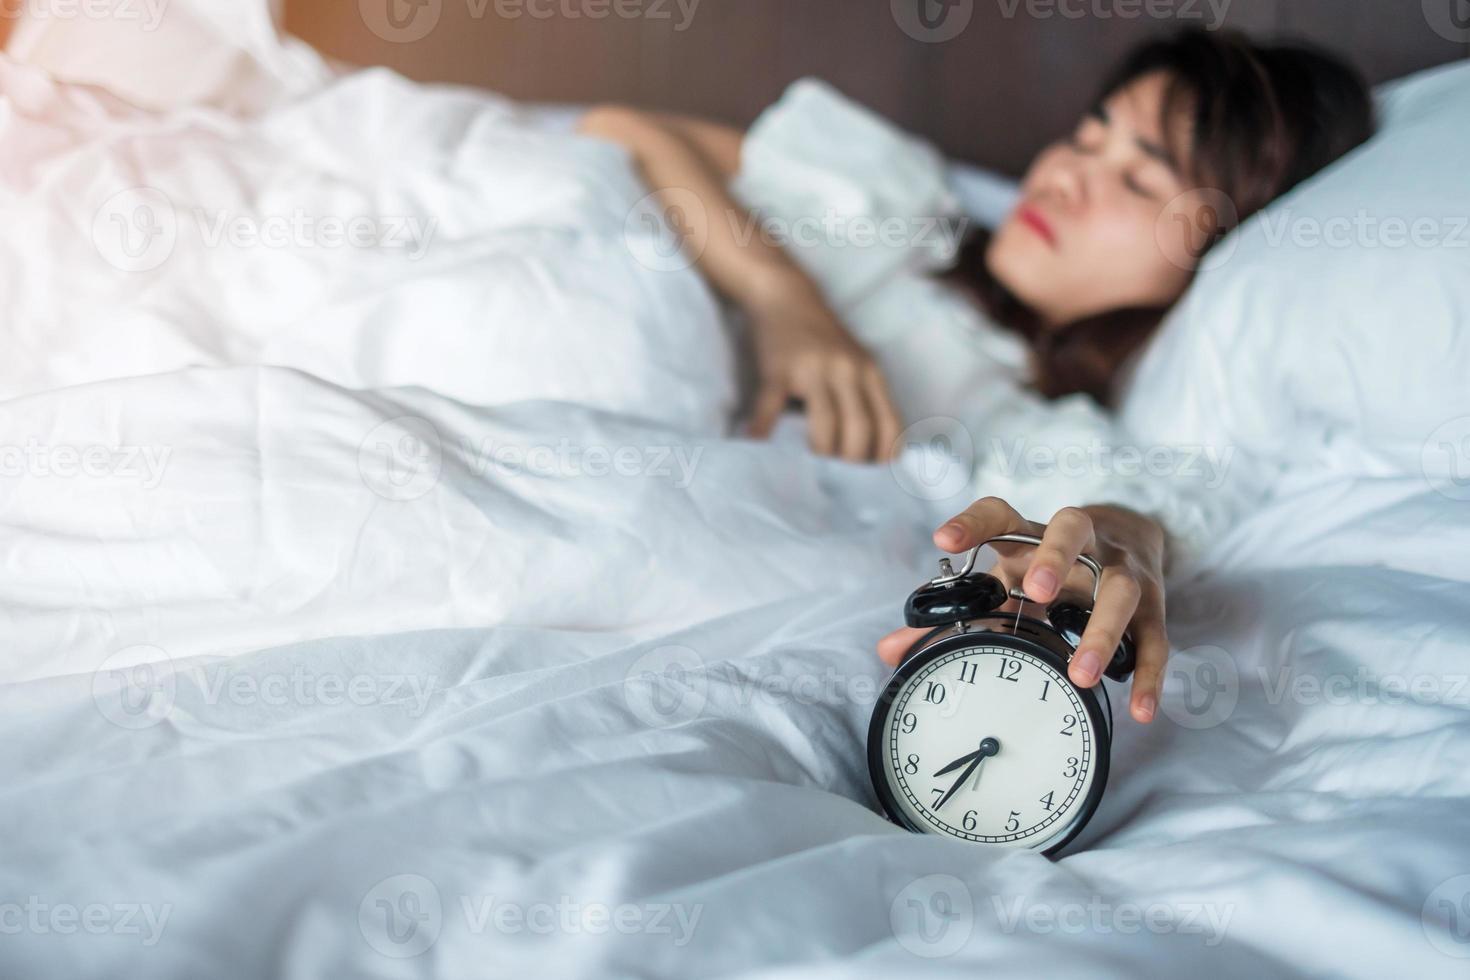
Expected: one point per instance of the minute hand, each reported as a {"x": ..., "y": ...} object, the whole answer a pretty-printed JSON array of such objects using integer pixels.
[
  {"x": 979, "y": 758},
  {"x": 988, "y": 747}
]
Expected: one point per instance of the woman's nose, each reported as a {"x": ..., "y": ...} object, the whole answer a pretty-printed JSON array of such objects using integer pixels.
[{"x": 1068, "y": 181}]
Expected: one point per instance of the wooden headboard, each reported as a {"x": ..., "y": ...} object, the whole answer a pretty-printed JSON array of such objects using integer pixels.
[{"x": 988, "y": 80}]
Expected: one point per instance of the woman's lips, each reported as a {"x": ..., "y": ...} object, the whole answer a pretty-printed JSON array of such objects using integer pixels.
[{"x": 1032, "y": 218}]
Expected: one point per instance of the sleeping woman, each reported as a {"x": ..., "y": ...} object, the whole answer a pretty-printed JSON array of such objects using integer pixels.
[{"x": 1076, "y": 270}]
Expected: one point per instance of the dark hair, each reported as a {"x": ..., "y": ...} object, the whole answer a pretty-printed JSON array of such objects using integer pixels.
[{"x": 1265, "y": 118}]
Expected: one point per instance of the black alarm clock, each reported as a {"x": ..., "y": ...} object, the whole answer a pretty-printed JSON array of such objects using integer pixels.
[{"x": 979, "y": 735}]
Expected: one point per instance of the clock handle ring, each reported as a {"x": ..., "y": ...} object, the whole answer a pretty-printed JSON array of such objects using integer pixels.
[{"x": 1090, "y": 562}]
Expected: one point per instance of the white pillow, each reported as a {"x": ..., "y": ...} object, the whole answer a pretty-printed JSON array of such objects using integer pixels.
[
  {"x": 1331, "y": 332},
  {"x": 854, "y": 199}
]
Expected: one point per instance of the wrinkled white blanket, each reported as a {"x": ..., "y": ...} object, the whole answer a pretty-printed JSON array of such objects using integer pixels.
[{"x": 357, "y": 639}]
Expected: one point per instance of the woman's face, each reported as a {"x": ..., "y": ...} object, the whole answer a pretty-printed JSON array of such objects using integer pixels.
[{"x": 1091, "y": 233}]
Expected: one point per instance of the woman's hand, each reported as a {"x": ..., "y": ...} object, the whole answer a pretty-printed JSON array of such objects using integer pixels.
[
  {"x": 1130, "y": 548},
  {"x": 804, "y": 353}
]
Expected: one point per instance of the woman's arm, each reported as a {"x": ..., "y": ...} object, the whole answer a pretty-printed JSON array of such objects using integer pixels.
[
  {"x": 803, "y": 352},
  {"x": 1131, "y": 549}
]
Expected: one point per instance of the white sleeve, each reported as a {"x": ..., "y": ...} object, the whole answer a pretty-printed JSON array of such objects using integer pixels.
[{"x": 846, "y": 186}]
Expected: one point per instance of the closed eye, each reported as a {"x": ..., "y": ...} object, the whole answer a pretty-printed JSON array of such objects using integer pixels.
[{"x": 1133, "y": 185}]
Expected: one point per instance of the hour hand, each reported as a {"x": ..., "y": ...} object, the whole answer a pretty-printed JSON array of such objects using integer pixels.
[
  {"x": 988, "y": 746},
  {"x": 963, "y": 760}
]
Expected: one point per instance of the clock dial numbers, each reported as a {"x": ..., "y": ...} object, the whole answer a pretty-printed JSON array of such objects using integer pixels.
[{"x": 990, "y": 744}]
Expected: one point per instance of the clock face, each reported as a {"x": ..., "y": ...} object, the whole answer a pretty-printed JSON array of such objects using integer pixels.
[{"x": 993, "y": 745}]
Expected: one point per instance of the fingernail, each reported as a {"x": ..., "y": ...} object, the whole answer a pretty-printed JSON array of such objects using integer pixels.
[
  {"x": 1043, "y": 585},
  {"x": 951, "y": 533},
  {"x": 1086, "y": 666},
  {"x": 1147, "y": 705}
]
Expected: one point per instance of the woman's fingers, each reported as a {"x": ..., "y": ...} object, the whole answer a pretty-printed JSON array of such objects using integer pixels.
[
  {"x": 854, "y": 425},
  {"x": 985, "y": 518},
  {"x": 893, "y": 646},
  {"x": 821, "y": 417},
  {"x": 1117, "y": 601},
  {"x": 1130, "y": 596},
  {"x": 885, "y": 446},
  {"x": 866, "y": 421},
  {"x": 1153, "y": 655},
  {"x": 1068, "y": 535},
  {"x": 769, "y": 404}
]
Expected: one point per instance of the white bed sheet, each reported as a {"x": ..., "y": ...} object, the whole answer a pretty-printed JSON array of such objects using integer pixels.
[
  {"x": 607, "y": 697},
  {"x": 314, "y": 671}
]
